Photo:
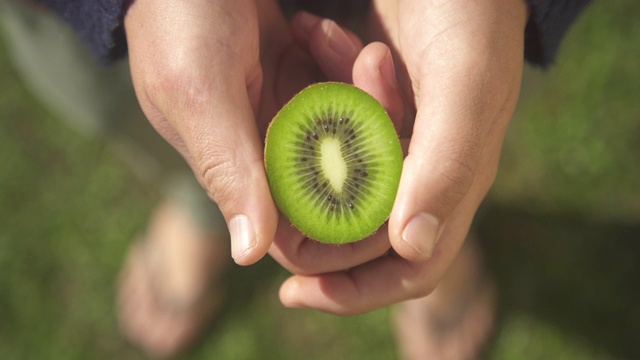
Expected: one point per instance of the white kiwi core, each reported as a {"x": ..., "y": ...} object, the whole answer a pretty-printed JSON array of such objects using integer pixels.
[{"x": 332, "y": 163}]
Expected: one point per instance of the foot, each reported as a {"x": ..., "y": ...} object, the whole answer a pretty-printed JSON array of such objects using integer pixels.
[
  {"x": 455, "y": 321},
  {"x": 170, "y": 287}
]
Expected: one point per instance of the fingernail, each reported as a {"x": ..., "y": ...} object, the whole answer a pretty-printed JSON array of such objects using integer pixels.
[
  {"x": 387, "y": 71},
  {"x": 337, "y": 39},
  {"x": 243, "y": 238},
  {"x": 421, "y": 233}
]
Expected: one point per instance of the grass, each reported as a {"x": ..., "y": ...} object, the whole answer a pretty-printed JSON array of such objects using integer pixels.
[
  {"x": 560, "y": 228},
  {"x": 575, "y": 142}
]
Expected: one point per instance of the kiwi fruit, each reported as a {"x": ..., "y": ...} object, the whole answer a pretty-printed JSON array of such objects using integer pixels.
[{"x": 333, "y": 161}]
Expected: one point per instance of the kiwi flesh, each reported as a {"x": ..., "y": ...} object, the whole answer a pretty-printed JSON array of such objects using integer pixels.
[{"x": 333, "y": 161}]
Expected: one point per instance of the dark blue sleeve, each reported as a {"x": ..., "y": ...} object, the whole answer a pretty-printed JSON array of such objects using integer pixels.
[
  {"x": 100, "y": 23},
  {"x": 548, "y": 22}
]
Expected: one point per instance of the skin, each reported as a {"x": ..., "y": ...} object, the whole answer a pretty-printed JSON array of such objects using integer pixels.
[{"x": 211, "y": 74}]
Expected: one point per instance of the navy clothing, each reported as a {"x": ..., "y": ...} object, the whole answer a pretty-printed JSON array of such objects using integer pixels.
[
  {"x": 100, "y": 23},
  {"x": 549, "y": 20}
]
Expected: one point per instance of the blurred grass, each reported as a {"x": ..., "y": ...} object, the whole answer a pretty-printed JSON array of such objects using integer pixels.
[
  {"x": 560, "y": 228},
  {"x": 574, "y": 144}
]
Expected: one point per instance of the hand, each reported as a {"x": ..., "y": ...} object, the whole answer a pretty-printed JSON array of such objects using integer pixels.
[
  {"x": 209, "y": 76},
  {"x": 461, "y": 75}
]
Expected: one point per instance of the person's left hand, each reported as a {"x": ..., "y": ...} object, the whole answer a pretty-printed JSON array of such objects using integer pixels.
[{"x": 462, "y": 64}]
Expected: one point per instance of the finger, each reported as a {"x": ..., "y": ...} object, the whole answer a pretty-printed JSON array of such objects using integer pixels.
[
  {"x": 200, "y": 94},
  {"x": 302, "y": 24},
  {"x": 379, "y": 283},
  {"x": 301, "y": 255},
  {"x": 374, "y": 73},
  {"x": 333, "y": 48},
  {"x": 352, "y": 292}
]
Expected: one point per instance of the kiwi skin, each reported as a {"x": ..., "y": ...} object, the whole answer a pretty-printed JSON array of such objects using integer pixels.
[{"x": 333, "y": 162}]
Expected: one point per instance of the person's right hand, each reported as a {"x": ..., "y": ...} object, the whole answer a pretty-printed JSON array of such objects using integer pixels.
[
  {"x": 197, "y": 74},
  {"x": 210, "y": 75}
]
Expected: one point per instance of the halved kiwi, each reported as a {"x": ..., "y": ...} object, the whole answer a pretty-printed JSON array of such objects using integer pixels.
[{"x": 333, "y": 161}]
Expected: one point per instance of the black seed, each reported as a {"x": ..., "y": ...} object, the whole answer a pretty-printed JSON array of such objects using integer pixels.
[
  {"x": 341, "y": 120},
  {"x": 334, "y": 130},
  {"x": 350, "y": 205},
  {"x": 303, "y": 159},
  {"x": 319, "y": 122},
  {"x": 331, "y": 208},
  {"x": 326, "y": 128},
  {"x": 329, "y": 197},
  {"x": 359, "y": 160},
  {"x": 352, "y": 137},
  {"x": 365, "y": 174},
  {"x": 358, "y": 170},
  {"x": 352, "y": 197},
  {"x": 315, "y": 136},
  {"x": 346, "y": 121}
]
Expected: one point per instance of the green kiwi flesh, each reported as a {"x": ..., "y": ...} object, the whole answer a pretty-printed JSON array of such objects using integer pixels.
[{"x": 333, "y": 162}]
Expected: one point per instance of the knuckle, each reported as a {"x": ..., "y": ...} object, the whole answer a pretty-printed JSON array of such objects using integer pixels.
[
  {"x": 180, "y": 84},
  {"x": 457, "y": 169},
  {"x": 186, "y": 90},
  {"x": 220, "y": 177}
]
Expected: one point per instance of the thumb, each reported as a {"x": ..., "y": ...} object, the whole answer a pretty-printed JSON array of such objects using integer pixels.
[
  {"x": 443, "y": 156},
  {"x": 223, "y": 147}
]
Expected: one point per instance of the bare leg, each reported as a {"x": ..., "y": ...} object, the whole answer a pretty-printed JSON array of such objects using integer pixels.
[{"x": 172, "y": 283}]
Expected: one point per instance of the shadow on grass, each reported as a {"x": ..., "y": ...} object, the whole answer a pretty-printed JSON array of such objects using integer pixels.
[{"x": 580, "y": 274}]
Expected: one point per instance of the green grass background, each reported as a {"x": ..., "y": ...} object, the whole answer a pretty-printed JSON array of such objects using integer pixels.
[{"x": 561, "y": 228}]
